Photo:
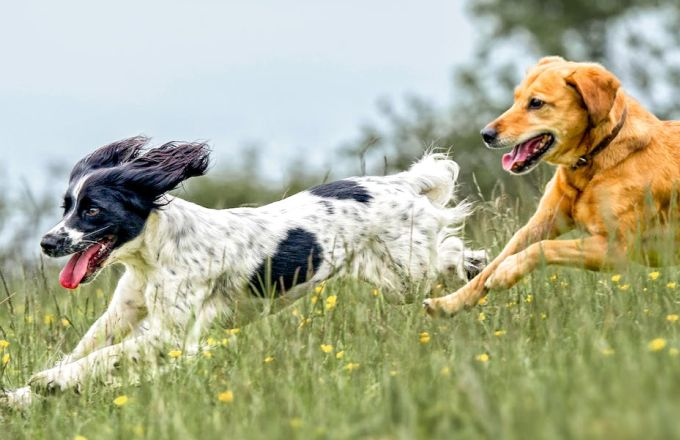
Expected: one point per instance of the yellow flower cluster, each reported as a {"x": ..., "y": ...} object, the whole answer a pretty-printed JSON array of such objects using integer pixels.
[
  {"x": 326, "y": 348},
  {"x": 226, "y": 396},
  {"x": 121, "y": 400},
  {"x": 424, "y": 337},
  {"x": 657, "y": 344},
  {"x": 331, "y": 302}
]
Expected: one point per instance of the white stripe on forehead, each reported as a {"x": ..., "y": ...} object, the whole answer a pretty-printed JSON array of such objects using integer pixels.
[{"x": 79, "y": 187}]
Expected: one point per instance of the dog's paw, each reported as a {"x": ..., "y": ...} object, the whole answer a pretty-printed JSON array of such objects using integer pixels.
[
  {"x": 444, "y": 306},
  {"x": 16, "y": 399},
  {"x": 55, "y": 379}
]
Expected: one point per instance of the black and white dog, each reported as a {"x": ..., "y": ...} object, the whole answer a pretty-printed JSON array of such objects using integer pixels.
[{"x": 186, "y": 264}]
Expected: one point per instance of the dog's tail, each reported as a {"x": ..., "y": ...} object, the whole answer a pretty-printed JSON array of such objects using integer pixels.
[{"x": 435, "y": 177}]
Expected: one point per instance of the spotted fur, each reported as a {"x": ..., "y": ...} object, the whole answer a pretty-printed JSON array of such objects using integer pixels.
[{"x": 188, "y": 265}]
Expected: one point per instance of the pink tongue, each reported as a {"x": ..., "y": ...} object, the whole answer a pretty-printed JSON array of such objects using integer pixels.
[
  {"x": 519, "y": 153},
  {"x": 76, "y": 268}
]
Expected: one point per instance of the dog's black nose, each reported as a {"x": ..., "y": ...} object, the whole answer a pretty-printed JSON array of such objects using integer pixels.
[
  {"x": 49, "y": 243},
  {"x": 489, "y": 134}
]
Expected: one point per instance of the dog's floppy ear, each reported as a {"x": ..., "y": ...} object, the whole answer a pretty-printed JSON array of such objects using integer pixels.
[
  {"x": 549, "y": 60},
  {"x": 161, "y": 169},
  {"x": 597, "y": 87},
  {"x": 111, "y": 155}
]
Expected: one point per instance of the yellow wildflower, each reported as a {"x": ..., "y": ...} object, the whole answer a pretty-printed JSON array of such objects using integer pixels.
[
  {"x": 483, "y": 358},
  {"x": 445, "y": 371},
  {"x": 529, "y": 298},
  {"x": 616, "y": 278},
  {"x": 320, "y": 288},
  {"x": 544, "y": 316},
  {"x": 376, "y": 292},
  {"x": 314, "y": 299},
  {"x": 6, "y": 358},
  {"x": 483, "y": 300},
  {"x": 326, "y": 348},
  {"x": 331, "y": 301},
  {"x": 121, "y": 400},
  {"x": 672, "y": 317},
  {"x": 352, "y": 366},
  {"x": 657, "y": 344},
  {"x": 672, "y": 285},
  {"x": 3, "y": 344},
  {"x": 553, "y": 278},
  {"x": 624, "y": 287},
  {"x": 424, "y": 337},
  {"x": 607, "y": 351},
  {"x": 339, "y": 355},
  {"x": 226, "y": 396},
  {"x": 295, "y": 423},
  {"x": 268, "y": 359},
  {"x": 654, "y": 275},
  {"x": 65, "y": 323},
  {"x": 233, "y": 331},
  {"x": 48, "y": 319},
  {"x": 207, "y": 354},
  {"x": 499, "y": 333},
  {"x": 481, "y": 317},
  {"x": 175, "y": 353},
  {"x": 225, "y": 341}
]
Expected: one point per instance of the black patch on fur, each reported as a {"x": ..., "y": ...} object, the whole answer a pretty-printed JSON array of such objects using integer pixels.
[
  {"x": 290, "y": 264},
  {"x": 473, "y": 266},
  {"x": 343, "y": 190}
]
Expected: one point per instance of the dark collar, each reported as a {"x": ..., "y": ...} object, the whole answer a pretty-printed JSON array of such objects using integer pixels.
[{"x": 588, "y": 157}]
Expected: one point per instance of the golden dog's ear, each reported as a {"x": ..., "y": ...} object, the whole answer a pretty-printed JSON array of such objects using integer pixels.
[
  {"x": 550, "y": 59},
  {"x": 597, "y": 87}
]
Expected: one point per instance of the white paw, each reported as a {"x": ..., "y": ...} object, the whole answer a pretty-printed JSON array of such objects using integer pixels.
[
  {"x": 16, "y": 399},
  {"x": 57, "y": 379}
]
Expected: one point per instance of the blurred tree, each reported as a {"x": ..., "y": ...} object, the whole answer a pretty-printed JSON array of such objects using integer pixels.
[{"x": 637, "y": 39}]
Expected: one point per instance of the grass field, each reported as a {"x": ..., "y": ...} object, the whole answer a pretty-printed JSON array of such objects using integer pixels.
[{"x": 566, "y": 354}]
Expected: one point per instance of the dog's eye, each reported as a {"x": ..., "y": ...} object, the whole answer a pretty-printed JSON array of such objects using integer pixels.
[
  {"x": 535, "y": 104},
  {"x": 91, "y": 212}
]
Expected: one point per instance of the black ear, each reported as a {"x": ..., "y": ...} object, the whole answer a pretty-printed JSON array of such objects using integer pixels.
[
  {"x": 161, "y": 169},
  {"x": 110, "y": 155}
]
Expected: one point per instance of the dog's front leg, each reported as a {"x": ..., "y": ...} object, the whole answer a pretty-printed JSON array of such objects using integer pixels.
[
  {"x": 99, "y": 365},
  {"x": 552, "y": 218},
  {"x": 592, "y": 253},
  {"x": 125, "y": 311}
]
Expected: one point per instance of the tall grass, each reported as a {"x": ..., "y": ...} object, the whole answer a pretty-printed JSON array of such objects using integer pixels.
[{"x": 565, "y": 354}]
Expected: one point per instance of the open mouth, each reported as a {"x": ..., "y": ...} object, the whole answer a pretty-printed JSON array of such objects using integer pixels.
[
  {"x": 84, "y": 265},
  {"x": 523, "y": 156}
]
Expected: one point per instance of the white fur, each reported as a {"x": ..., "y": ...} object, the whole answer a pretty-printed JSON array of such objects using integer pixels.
[{"x": 191, "y": 263}]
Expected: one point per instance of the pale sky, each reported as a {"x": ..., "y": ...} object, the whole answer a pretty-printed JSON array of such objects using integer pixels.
[{"x": 298, "y": 77}]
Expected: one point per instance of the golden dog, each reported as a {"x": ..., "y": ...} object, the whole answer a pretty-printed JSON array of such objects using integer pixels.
[{"x": 618, "y": 171}]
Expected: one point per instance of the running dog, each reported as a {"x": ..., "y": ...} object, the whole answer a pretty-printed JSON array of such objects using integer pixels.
[
  {"x": 617, "y": 179},
  {"x": 185, "y": 265}
]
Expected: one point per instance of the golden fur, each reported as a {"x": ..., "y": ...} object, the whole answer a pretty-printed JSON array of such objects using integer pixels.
[{"x": 623, "y": 198}]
